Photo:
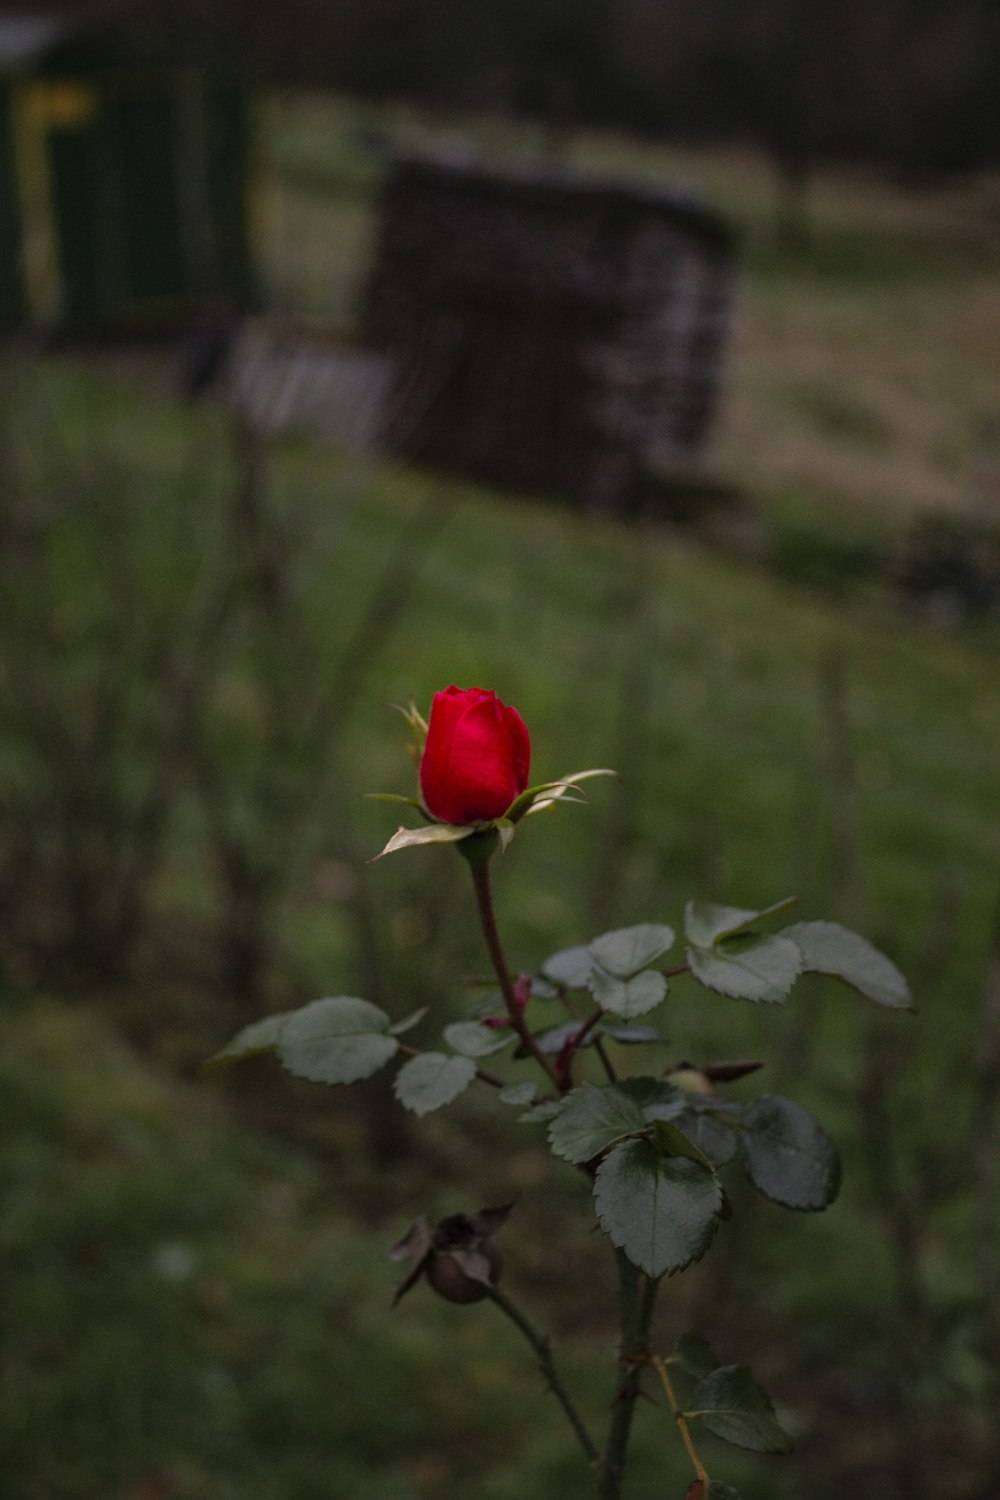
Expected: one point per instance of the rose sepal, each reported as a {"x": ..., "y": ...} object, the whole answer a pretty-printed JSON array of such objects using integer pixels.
[
  {"x": 547, "y": 793},
  {"x": 417, "y": 723},
  {"x": 406, "y": 801},
  {"x": 435, "y": 833}
]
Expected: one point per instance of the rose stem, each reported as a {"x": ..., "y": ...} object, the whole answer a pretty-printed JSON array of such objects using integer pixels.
[
  {"x": 543, "y": 1349},
  {"x": 484, "y": 899},
  {"x": 636, "y": 1312},
  {"x": 699, "y": 1468},
  {"x": 580, "y": 1036}
]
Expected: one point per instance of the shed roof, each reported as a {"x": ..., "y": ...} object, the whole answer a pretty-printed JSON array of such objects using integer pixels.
[{"x": 465, "y": 176}]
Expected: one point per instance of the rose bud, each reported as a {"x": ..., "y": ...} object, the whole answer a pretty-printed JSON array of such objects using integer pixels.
[
  {"x": 457, "y": 1256},
  {"x": 476, "y": 759}
]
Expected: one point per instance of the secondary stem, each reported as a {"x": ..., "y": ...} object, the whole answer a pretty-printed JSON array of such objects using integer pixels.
[
  {"x": 699, "y": 1468},
  {"x": 487, "y": 916},
  {"x": 636, "y": 1294},
  {"x": 540, "y": 1343}
]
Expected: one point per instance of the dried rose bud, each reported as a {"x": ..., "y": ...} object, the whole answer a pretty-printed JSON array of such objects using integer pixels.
[
  {"x": 691, "y": 1079},
  {"x": 728, "y": 1072},
  {"x": 457, "y": 1256}
]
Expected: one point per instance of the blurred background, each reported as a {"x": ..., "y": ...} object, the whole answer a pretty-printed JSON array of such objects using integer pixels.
[{"x": 637, "y": 358}]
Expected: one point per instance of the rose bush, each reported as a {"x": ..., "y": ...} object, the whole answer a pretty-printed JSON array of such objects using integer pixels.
[
  {"x": 476, "y": 758},
  {"x": 654, "y": 1142}
]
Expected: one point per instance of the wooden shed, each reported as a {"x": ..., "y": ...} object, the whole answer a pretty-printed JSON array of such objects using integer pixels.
[
  {"x": 123, "y": 180},
  {"x": 547, "y": 332}
]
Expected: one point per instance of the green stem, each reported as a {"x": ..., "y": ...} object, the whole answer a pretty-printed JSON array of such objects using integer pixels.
[
  {"x": 543, "y": 1349},
  {"x": 636, "y": 1296},
  {"x": 681, "y": 1419},
  {"x": 487, "y": 916}
]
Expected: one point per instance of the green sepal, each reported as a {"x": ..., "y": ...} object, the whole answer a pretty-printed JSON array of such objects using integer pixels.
[
  {"x": 547, "y": 793},
  {"x": 436, "y": 833},
  {"x": 406, "y": 802}
]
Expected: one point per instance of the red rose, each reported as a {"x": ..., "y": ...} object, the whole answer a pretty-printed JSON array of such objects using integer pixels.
[{"x": 476, "y": 758}]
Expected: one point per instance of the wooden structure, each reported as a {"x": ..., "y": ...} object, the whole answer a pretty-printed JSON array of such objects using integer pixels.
[
  {"x": 547, "y": 332},
  {"x": 123, "y": 180}
]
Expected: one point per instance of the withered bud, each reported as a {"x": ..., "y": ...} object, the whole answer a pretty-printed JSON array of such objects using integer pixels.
[
  {"x": 691, "y": 1079},
  {"x": 699, "y": 1078},
  {"x": 728, "y": 1072},
  {"x": 457, "y": 1255}
]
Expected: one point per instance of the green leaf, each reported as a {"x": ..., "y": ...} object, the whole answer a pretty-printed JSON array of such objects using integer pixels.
[
  {"x": 748, "y": 968},
  {"x": 788, "y": 1155},
  {"x": 474, "y": 1040},
  {"x": 591, "y": 1118},
  {"x": 729, "y": 1403},
  {"x": 719, "y": 1491},
  {"x": 662, "y": 1211},
  {"x": 400, "y": 1028},
  {"x": 436, "y": 833},
  {"x": 628, "y": 949},
  {"x": 254, "y": 1040},
  {"x": 711, "y": 1135},
  {"x": 673, "y": 1142},
  {"x": 657, "y": 1100},
  {"x": 552, "y": 1041},
  {"x": 628, "y": 997},
  {"x": 518, "y": 1093},
  {"x": 632, "y": 1035},
  {"x": 431, "y": 1080},
  {"x": 694, "y": 1355},
  {"x": 545, "y": 1109},
  {"x": 542, "y": 989},
  {"x": 828, "y": 948},
  {"x": 336, "y": 1041},
  {"x": 706, "y": 924},
  {"x": 570, "y": 968}
]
